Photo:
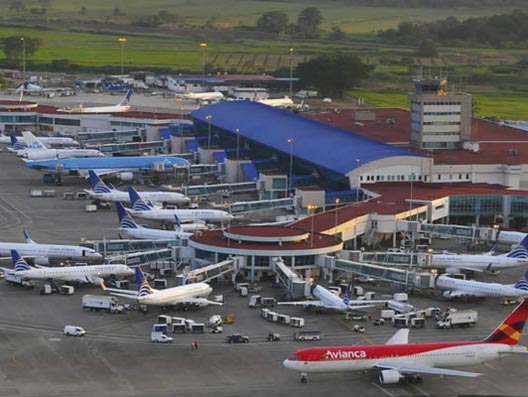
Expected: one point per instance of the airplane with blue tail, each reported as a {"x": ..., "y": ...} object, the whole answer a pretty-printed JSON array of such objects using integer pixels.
[
  {"x": 19, "y": 142},
  {"x": 128, "y": 226},
  {"x": 123, "y": 106}
]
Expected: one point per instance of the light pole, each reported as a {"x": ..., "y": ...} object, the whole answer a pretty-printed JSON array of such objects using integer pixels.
[
  {"x": 122, "y": 40},
  {"x": 203, "y": 46},
  {"x": 208, "y": 118},
  {"x": 289, "y": 184},
  {"x": 337, "y": 200},
  {"x": 291, "y": 71},
  {"x": 237, "y": 130},
  {"x": 410, "y": 200},
  {"x": 23, "y": 40},
  {"x": 358, "y": 161},
  {"x": 312, "y": 209},
  {"x": 180, "y": 101}
]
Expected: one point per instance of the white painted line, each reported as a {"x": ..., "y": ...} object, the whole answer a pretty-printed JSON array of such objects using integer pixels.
[{"x": 383, "y": 390}]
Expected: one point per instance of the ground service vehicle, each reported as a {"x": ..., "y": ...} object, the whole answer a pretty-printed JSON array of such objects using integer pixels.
[
  {"x": 74, "y": 330},
  {"x": 217, "y": 330},
  {"x": 101, "y": 302},
  {"x": 273, "y": 337},
  {"x": 237, "y": 338},
  {"x": 378, "y": 321},
  {"x": 16, "y": 280},
  {"x": 307, "y": 335},
  {"x": 461, "y": 318},
  {"x": 159, "y": 337},
  {"x": 400, "y": 307},
  {"x": 257, "y": 301},
  {"x": 359, "y": 328}
]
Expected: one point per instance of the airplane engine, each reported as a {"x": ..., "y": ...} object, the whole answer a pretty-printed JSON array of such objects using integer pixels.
[
  {"x": 126, "y": 176},
  {"x": 389, "y": 376},
  {"x": 447, "y": 294},
  {"x": 41, "y": 260}
]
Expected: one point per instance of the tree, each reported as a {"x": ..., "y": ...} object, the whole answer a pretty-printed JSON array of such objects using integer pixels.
[
  {"x": 82, "y": 10},
  {"x": 13, "y": 47},
  {"x": 308, "y": 22},
  {"x": 337, "y": 34},
  {"x": 17, "y": 6},
  {"x": 273, "y": 22},
  {"x": 333, "y": 74},
  {"x": 427, "y": 49}
]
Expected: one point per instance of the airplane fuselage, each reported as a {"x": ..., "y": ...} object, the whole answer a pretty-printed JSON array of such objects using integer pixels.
[
  {"x": 477, "y": 288},
  {"x": 160, "y": 197},
  {"x": 174, "y": 296},
  {"x": 358, "y": 358},
  {"x": 479, "y": 262},
  {"x": 184, "y": 215},
  {"x": 75, "y": 272},
  {"x": 51, "y": 251},
  {"x": 154, "y": 234}
]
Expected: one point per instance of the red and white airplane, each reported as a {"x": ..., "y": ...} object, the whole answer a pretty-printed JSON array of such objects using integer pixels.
[{"x": 398, "y": 360}]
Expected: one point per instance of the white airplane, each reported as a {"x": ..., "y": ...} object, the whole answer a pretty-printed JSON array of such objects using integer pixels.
[
  {"x": 145, "y": 211},
  {"x": 103, "y": 192},
  {"x": 492, "y": 263},
  {"x": 203, "y": 96},
  {"x": 400, "y": 360},
  {"x": 20, "y": 141},
  {"x": 28, "y": 88},
  {"x": 133, "y": 230},
  {"x": 123, "y": 106},
  {"x": 42, "y": 253},
  {"x": 510, "y": 238},
  {"x": 36, "y": 150},
  {"x": 456, "y": 288},
  {"x": 189, "y": 294},
  {"x": 78, "y": 274},
  {"x": 328, "y": 300}
]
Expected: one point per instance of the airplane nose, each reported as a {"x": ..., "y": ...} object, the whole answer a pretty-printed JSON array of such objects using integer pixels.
[{"x": 287, "y": 363}]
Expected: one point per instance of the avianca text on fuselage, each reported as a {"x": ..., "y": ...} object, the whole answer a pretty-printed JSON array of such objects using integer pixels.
[{"x": 345, "y": 355}]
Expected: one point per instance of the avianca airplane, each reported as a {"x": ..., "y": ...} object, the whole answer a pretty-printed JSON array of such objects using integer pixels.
[
  {"x": 397, "y": 359},
  {"x": 193, "y": 294},
  {"x": 456, "y": 288},
  {"x": 133, "y": 230},
  {"x": 103, "y": 192},
  {"x": 123, "y": 106},
  {"x": 81, "y": 274},
  {"x": 145, "y": 211},
  {"x": 492, "y": 263},
  {"x": 36, "y": 150},
  {"x": 328, "y": 300}
]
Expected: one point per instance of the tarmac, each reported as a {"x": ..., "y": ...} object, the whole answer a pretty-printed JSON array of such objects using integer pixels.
[{"x": 116, "y": 357}]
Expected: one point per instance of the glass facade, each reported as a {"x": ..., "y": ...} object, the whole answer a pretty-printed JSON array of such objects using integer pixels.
[{"x": 475, "y": 205}]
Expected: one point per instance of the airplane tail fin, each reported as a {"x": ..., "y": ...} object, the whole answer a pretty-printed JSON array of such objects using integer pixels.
[
  {"x": 125, "y": 220},
  {"x": 32, "y": 142},
  {"x": 522, "y": 283},
  {"x": 143, "y": 285},
  {"x": 178, "y": 223},
  {"x": 126, "y": 99},
  {"x": 27, "y": 238},
  {"x": 509, "y": 332},
  {"x": 137, "y": 203},
  {"x": 346, "y": 299},
  {"x": 518, "y": 252},
  {"x": 524, "y": 242},
  {"x": 15, "y": 143},
  {"x": 98, "y": 186},
  {"x": 19, "y": 263}
]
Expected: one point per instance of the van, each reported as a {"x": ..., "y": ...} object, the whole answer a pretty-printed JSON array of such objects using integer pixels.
[{"x": 74, "y": 330}]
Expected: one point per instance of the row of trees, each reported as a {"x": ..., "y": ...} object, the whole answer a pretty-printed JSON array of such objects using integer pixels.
[
  {"x": 497, "y": 31},
  {"x": 307, "y": 26},
  {"x": 438, "y": 3}
]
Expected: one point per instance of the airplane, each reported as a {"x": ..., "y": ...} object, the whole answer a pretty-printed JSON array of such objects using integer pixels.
[
  {"x": 510, "y": 238},
  {"x": 36, "y": 150},
  {"x": 145, "y": 211},
  {"x": 103, "y": 192},
  {"x": 28, "y": 88},
  {"x": 90, "y": 274},
  {"x": 123, "y": 106},
  {"x": 491, "y": 263},
  {"x": 42, "y": 253},
  {"x": 133, "y": 230},
  {"x": 202, "y": 96},
  {"x": 104, "y": 165},
  {"x": 189, "y": 294},
  {"x": 456, "y": 288},
  {"x": 400, "y": 360},
  {"x": 46, "y": 140},
  {"x": 328, "y": 300}
]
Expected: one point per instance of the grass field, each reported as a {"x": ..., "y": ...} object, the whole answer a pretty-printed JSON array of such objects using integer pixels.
[{"x": 508, "y": 105}]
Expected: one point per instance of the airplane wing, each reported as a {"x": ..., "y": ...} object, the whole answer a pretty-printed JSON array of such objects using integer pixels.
[
  {"x": 119, "y": 292},
  {"x": 426, "y": 370},
  {"x": 461, "y": 293},
  {"x": 313, "y": 303},
  {"x": 197, "y": 301},
  {"x": 401, "y": 337},
  {"x": 7, "y": 270}
]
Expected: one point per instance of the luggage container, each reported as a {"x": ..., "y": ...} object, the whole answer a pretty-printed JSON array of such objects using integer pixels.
[
  {"x": 164, "y": 319},
  {"x": 283, "y": 319},
  {"x": 66, "y": 290},
  {"x": 264, "y": 313},
  {"x": 178, "y": 328},
  {"x": 178, "y": 320},
  {"x": 387, "y": 314},
  {"x": 198, "y": 328},
  {"x": 297, "y": 322},
  {"x": 272, "y": 316},
  {"x": 400, "y": 297},
  {"x": 166, "y": 272},
  {"x": 160, "y": 283},
  {"x": 160, "y": 328}
]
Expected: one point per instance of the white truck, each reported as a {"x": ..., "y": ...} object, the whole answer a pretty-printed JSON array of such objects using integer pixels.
[
  {"x": 460, "y": 318},
  {"x": 399, "y": 307},
  {"x": 16, "y": 280},
  {"x": 101, "y": 302},
  {"x": 159, "y": 337}
]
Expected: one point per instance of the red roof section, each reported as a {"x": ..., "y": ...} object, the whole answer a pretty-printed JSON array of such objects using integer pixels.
[
  {"x": 266, "y": 231},
  {"x": 392, "y": 200},
  {"x": 495, "y": 141}
]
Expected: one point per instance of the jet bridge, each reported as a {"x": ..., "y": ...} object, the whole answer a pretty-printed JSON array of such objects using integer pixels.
[
  {"x": 145, "y": 258},
  {"x": 121, "y": 247},
  {"x": 210, "y": 272},
  {"x": 241, "y": 207},
  {"x": 295, "y": 286},
  {"x": 207, "y": 190}
]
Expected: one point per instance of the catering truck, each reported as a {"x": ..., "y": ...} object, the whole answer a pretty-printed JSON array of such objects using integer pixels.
[
  {"x": 460, "y": 318},
  {"x": 101, "y": 302}
]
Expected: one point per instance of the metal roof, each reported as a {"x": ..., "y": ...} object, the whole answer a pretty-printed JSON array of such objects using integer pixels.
[{"x": 325, "y": 146}]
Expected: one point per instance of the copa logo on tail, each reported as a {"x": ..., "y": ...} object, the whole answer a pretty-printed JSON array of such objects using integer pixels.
[
  {"x": 522, "y": 283},
  {"x": 19, "y": 263},
  {"x": 125, "y": 220},
  {"x": 142, "y": 283},
  {"x": 15, "y": 143},
  {"x": 137, "y": 203},
  {"x": 98, "y": 186}
]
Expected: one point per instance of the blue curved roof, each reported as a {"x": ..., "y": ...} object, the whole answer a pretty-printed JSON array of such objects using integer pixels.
[{"x": 326, "y": 146}]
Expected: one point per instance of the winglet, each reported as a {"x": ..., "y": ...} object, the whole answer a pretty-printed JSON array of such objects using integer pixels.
[
  {"x": 27, "y": 238},
  {"x": 101, "y": 282},
  {"x": 401, "y": 337}
]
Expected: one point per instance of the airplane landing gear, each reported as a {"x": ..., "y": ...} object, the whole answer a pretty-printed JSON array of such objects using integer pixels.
[
  {"x": 304, "y": 377},
  {"x": 415, "y": 379}
]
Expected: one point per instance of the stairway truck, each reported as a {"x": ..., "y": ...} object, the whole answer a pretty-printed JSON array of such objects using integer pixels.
[
  {"x": 101, "y": 302},
  {"x": 460, "y": 318}
]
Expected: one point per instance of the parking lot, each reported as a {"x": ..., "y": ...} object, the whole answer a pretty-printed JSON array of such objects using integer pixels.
[{"x": 117, "y": 358}]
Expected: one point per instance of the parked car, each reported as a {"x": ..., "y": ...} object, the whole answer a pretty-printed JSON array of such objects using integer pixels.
[
  {"x": 217, "y": 330},
  {"x": 273, "y": 337},
  {"x": 237, "y": 338},
  {"x": 379, "y": 321},
  {"x": 359, "y": 328}
]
